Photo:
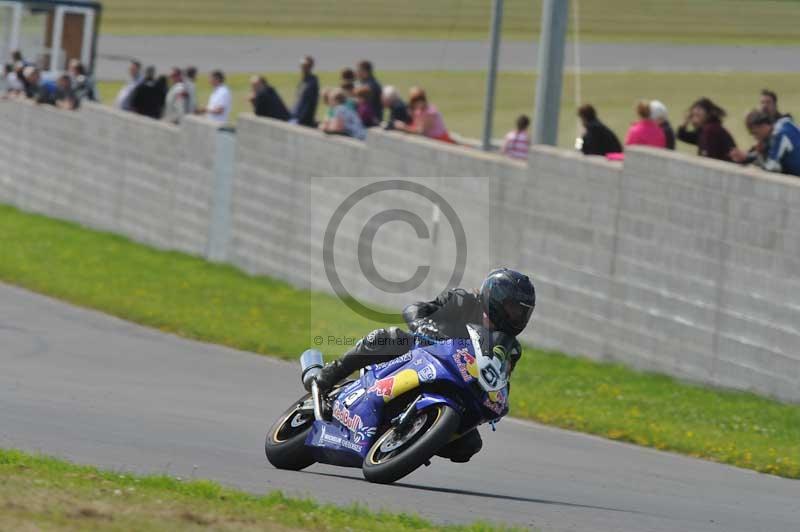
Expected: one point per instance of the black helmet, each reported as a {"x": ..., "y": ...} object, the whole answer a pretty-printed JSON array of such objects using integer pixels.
[{"x": 508, "y": 298}]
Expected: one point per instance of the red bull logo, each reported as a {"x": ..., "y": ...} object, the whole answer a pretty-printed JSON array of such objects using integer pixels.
[
  {"x": 466, "y": 364},
  {"x": 397, "y": 384},
  {"x": 342, "y": 415},
  {"x": 383, "y": 387}
]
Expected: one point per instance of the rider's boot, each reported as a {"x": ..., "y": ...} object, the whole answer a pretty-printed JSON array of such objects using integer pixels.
[
  {"x": 463, "y": 448},
  {"x": 331, "y": 374}
]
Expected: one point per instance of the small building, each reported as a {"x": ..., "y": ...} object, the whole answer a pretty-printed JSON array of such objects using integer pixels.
[{"x": 33, "y": 26}]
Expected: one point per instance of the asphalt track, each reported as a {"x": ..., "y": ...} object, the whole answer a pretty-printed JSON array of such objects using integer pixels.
[
  {"x": 95, "y": 389},
  {"x": 262, "y": 54}
]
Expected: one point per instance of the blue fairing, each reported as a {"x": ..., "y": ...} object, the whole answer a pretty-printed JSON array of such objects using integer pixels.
[{"x": 439, "y": 373}]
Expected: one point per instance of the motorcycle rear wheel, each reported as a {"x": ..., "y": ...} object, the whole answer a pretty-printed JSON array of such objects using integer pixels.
[{"x": 396, "y": 454}]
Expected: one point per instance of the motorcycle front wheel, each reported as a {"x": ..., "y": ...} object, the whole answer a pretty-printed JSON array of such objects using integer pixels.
[
  {"x": 398, "y": 452},
  {"x": 285, "y": 444}
]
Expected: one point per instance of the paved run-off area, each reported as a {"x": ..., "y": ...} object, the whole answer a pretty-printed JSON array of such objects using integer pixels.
[{"x": 95, "y": 389}]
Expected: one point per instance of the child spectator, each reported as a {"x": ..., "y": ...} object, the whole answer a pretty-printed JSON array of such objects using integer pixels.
[
  {"x": 658, "y": 112},
  {"x": 343, "y": 121},
  {"x": 517, "y": 142},
  {"x": 782, "y": 139},
  {"x": 398, "y": 111},
  {"x": 426, "y": 120},
  {"x": 711, "y": 138},
  {"x": 645, "y": 131},
  {"x": 597, "y": 139},
  {"x": 363, "y": 96}
]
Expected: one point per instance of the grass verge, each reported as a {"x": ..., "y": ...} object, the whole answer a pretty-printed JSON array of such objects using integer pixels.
[
  {"x": 190, "y": 297},
  {"x": 701, "y": 21},
  {"x": 42, "y": 493},
  {"x": 460, "y": 95}
]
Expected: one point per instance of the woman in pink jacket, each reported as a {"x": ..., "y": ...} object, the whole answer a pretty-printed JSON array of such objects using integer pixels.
[{"x": 645, "y": 131}]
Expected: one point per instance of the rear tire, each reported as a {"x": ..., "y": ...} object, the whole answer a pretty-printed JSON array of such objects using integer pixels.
[
  {"x": 390, "y": 458},
  {"x": 285, "y": 444}
]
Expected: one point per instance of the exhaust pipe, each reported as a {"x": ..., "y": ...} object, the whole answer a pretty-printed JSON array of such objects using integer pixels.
[{"x": 311, "y": 363}]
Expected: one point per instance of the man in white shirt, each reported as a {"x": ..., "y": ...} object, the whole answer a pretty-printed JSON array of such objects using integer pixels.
[
  {"x": 220, "y": 101},
  {"x": 177, "y": 102},
  {"x": 125, "y": 95}
]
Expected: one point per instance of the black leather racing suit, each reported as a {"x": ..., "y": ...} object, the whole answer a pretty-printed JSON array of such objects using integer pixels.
[{"x": 449, "y": 314}]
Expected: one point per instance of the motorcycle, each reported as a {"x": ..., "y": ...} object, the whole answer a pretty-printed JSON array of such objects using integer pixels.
[{"x": 396, "y": 415}]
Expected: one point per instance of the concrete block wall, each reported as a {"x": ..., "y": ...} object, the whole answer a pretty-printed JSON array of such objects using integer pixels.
[
  {"x": 669, "y": 263},
  {"x": 111, "y": 170},
  {"x": 708, "y": 262}
]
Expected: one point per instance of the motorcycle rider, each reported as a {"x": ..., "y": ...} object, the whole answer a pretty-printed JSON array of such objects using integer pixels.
[{"x": 503, "y": 305}]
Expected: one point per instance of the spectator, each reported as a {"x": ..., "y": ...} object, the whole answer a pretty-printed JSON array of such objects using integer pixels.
[
  {"x": 781, "y": 137},
  {"x": 149, "y": 96},
  {"x": 190, "y": 82},
  {"x": 658, "y": 112},
  {"x": 398, "y": 111},
  {"x": 65, "y": 97},
  {"x": 645, "y": 131},
  {"x": 344, "y": 121},
  {"x": 12, "y": 85},
  {"x": 366, "y": 78},
  {"x": 176, "y": 105},
  {"x": 266, "y": 100},
  {"x": 125, "y": 95},
  {"x": 18, "y": 79},
  {"x": 327, "y": 92},
  {"x": 769, "y": 104},
  {"x": 598, "y": 139},
  {"x": 517, "y": 142},
  {"x": 347, "y": 75},
  {"x": 349, "y": 89},
  {"x": 16, "y": 57},
  {"x": 364, "y": 106},
  {"x": 711, "y": 138},
  {"x": 82, "y": 85},
  {"x": 305, "y": 108},
  {"x": 35, "y": 88},
  {"x": 220, "y": 101},
  {"x": 426, "y": 120}
]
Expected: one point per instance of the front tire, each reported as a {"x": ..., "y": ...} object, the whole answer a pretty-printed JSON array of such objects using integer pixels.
[
  {"x": 285, "y": 444},
  {"x": 395, "y": 455}
]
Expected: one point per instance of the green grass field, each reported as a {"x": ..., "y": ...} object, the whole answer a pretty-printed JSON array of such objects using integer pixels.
[
  {"x": 41, "y": 493},
  {"x": 459, "y": 96},
  {"x": 696, "y": 21},
  {"x": 215, "y": 303}
]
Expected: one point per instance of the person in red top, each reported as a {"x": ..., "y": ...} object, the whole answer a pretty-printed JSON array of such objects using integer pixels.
[
  {"x": 707, "y": 132},
  {"x": 645, "y": 131}
]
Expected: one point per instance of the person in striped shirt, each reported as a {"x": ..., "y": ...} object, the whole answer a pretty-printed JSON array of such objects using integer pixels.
[{"x": 517, "y": 142}]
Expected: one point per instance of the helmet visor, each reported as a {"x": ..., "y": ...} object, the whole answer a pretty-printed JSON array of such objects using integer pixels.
[{"x": 518, "y": 314}]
